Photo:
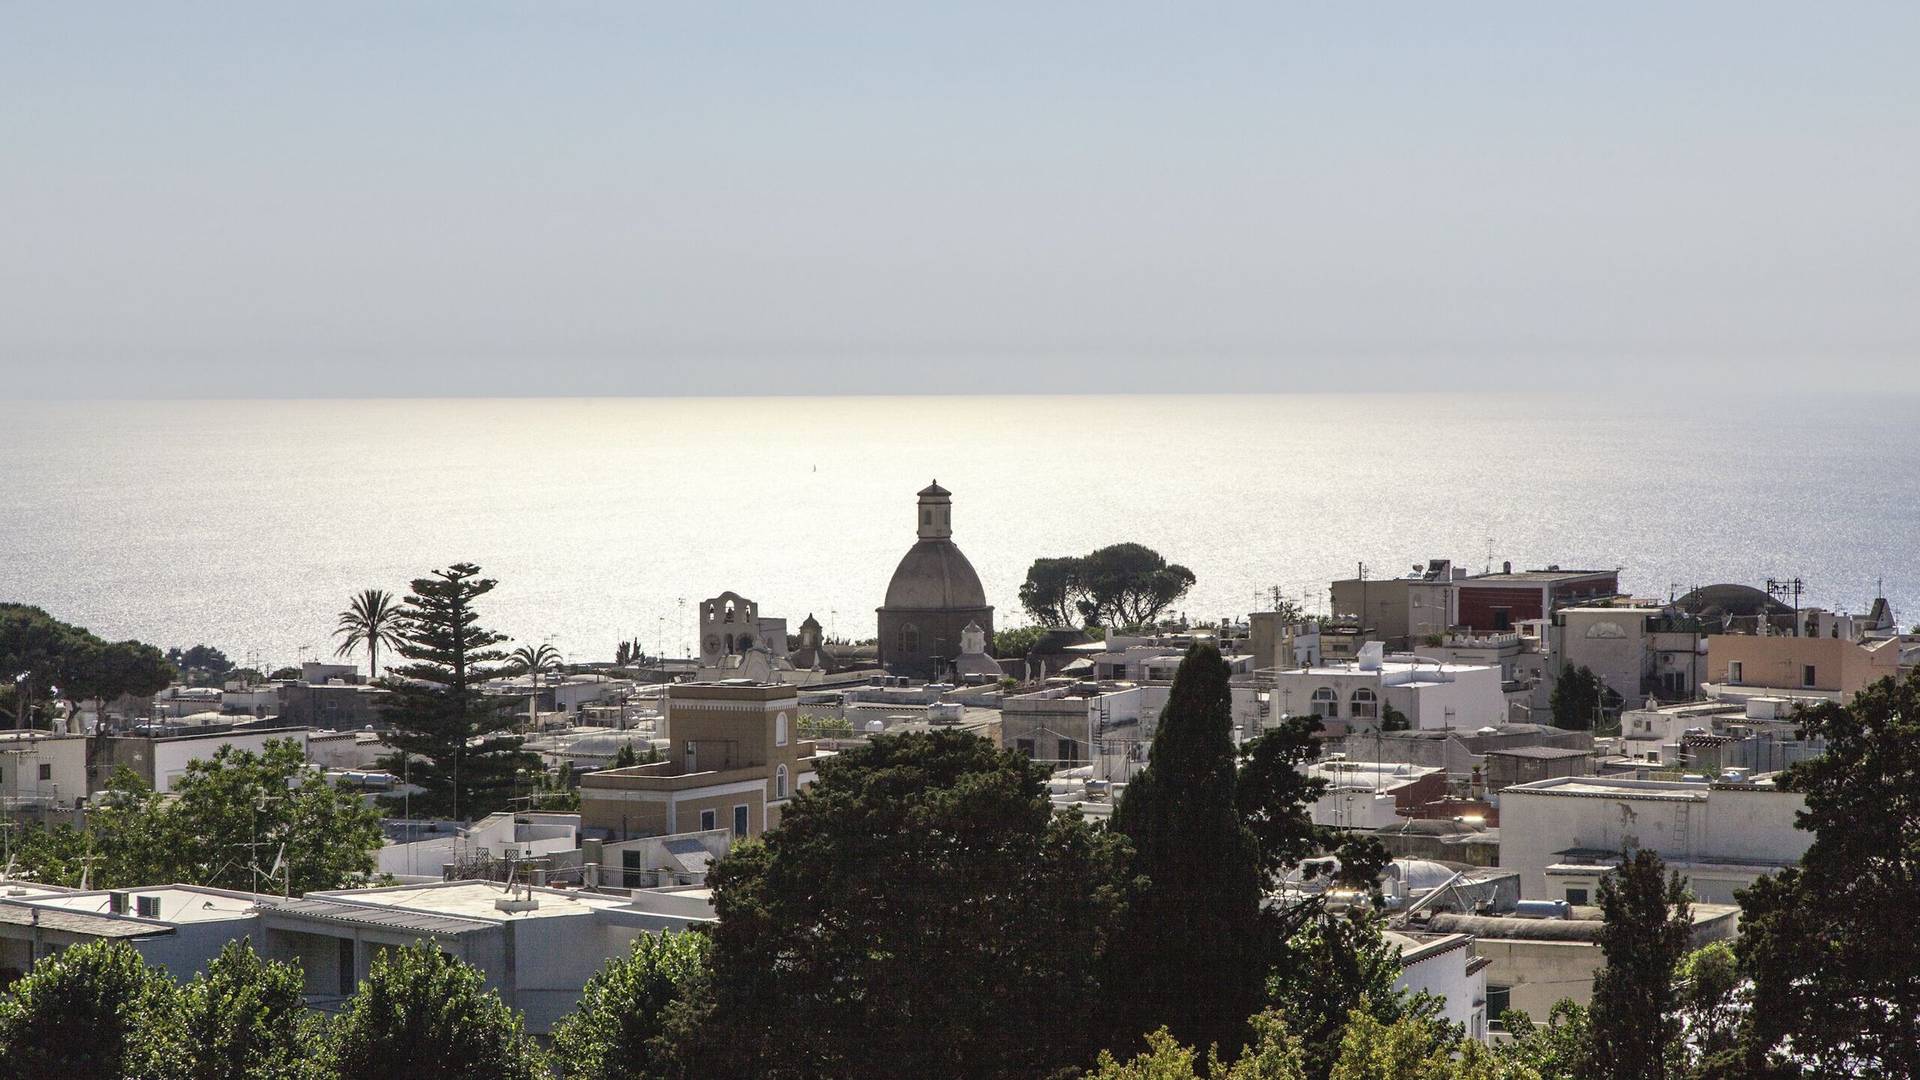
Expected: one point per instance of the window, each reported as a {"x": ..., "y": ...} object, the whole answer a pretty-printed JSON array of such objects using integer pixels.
[
  {"x": 630, "y": 868},
  {"x": 780, "y": 782},
  {"x": 780, "y": 730},
  {"x": 1499, "y": 1000},
  {"x": 1365, "y": 705},
  {"x": 344, "y": 966},
  {"x": 1025, "y": 746},
  {"x": 740, "y": 820},
  {"x": 909, "y": 638},
  {"x": 1066, "y": 750},
  {"x": 1326, "y": 703},
  {"x": 1733, "y": 671},
  {"x": 1577, "y": 896},
  {"x": 693, "y": 759},
  {"x": 1806, "y": 679},
  {"x": 926, "y": 517},
  {"x": 46, "y": 771},
  {"x": 709, "y": 819},
  {"x": 1502, "y": 618}
]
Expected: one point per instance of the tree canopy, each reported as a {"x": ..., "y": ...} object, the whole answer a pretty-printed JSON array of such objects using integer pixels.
[
  {"x": 1577, "y": 699},
  {"x": 1120, "y": 585},
  {"x": 915, "y": 899},
  {"x": 86, "y": 1016},
  {"x": 1835, "y": 964},
  {"x": 1648, "y": 927},
  {"x": 42, "y": 658},
  {"x": 238, "y": 820},
  {"x": 1191, "y": 963},
  {"x": 423, "y": 1014},
  {"x": 618, "y": 1031},
  {"x": 450, "y": 738}
]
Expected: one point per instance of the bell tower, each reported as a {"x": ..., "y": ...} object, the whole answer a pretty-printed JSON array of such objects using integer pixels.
[{"x": 936, "y": 512}]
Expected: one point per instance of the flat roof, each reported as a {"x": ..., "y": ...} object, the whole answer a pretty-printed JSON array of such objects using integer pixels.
[
  {"x": 1541, "y": 752},
  {"x": 178, "y": 903},
  {"x": 475, "y": 900},
  {"x": 1535, "y": 576}
]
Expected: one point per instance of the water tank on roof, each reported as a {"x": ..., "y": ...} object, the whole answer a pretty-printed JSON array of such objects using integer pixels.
[
  {"x": 1488, "y": 730},
  {"x": 875, "y": 727},
  {"x": 1543, "y": 909}
]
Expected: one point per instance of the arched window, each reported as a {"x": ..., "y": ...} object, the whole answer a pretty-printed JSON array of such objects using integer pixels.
[
  {"x": 1326, "y": 703},
  {"x": 909, "y": 639},
  {"x": 1366, "y": 706},
  {"x": 780, "y": 730},
  {"x": 780, "y": 782}
]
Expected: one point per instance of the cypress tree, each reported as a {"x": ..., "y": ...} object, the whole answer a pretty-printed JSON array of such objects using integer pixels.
[
  {"x": 1191, "y": 958},
  {"x": 1649, "y": 924},
  {"x": 438, "y": 708}
]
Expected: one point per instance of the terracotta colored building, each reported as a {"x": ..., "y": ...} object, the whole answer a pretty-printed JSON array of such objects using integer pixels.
[{"x": 1498, "y": 602}]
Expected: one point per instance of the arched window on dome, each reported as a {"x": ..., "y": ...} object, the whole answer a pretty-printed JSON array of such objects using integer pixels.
[
  {"x": 909, "y": 639},
  {"x": 780, "y": 730},
  {"x": 1326, "y": 703},
  {"x": 780, "y": 782},
  {"x": 1366, "y": 705}
]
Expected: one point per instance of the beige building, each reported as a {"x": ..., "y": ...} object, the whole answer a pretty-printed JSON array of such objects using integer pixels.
[
  {"x": 1824, "y": 668},
  {"x": 733, "y": 762},
  {"x": 1404, "y": 611}
]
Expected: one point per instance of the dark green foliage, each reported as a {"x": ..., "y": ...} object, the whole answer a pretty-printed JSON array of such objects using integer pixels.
[
  {"x": 1708, "y": 986},
  {"x": 1649, "y": 925},
  {"x": 1331, "y": 966},
  {"x": 1576, "y": 699},
  {"x": 242, "y": 1019},
  {"x": 1052, "y": 592},
  {"x": 1829, "y": 944},
  {"x": 617, "y": 1031},
  {"x": 1016, "y": 642},
  {"x": 920, "y": 911},
  {"x": 1560, "y": 1049},
  {"x": 1193, "y": 960},
  {"x": 1392, "y": 719},
  {"x": 85, "y": 1015},
  {"x": 200, "y": 665},
  {"x": 227, "y": 815},
  {"x": 625, "y": 757},
  {"x": 1119, "y": 585},
  {"x": 424, "y": 1015},
  {"x": 57, "y": 658},
  {"x": 438, "y": 709}
]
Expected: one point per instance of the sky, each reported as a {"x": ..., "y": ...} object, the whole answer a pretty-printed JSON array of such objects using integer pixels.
[{"x": 447, "y": 199}]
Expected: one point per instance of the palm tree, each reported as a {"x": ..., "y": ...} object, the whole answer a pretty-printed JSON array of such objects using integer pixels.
[
  {"x": 535, "y": 660},
  {"x": 373, "y": 620}
]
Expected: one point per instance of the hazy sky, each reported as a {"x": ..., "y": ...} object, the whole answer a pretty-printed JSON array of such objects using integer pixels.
[{"x": 545, "y": 198}]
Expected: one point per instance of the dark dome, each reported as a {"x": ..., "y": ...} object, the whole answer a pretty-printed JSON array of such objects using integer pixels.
[
  {"x": 1737, "y": 600},
  {"x": 934, "y": 576},
  {"x": 1739, "y": 605}
]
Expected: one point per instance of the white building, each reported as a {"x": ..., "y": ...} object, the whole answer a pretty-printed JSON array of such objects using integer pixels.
[
  {"x": 39, "y": 770},
  {"x": 1432, "y": 694},
  {"x": 1563, "y": 834},
  {"x": 1371, "y": 794},
  {"x": 1446, "y": 966},
  {"x": 174, "y": 927}
]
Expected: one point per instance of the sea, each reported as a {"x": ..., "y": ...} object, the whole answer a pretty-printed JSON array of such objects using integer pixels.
[{"x": 248, "y": 524}]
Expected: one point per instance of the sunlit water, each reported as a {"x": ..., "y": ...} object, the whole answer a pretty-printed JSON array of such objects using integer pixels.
[{"x": 248, "y": 524}]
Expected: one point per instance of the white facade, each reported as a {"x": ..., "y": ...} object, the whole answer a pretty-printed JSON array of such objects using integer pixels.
[
  {"x": 1445, "y": 966},
  {"x": 1432, "y": 694},
  {"x": 40, "y": 769},
  {"x": 171, "y": 756},
  {"x": 1562, "y": 834}
]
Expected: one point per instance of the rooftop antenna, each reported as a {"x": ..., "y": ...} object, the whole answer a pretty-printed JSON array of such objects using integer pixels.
[
  {"x": 1489, "y": 568},
  {"x": 1780, "y": 589}
]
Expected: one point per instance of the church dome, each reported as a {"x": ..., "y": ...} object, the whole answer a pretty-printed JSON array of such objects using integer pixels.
[{"x": 935, "y": 576}]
